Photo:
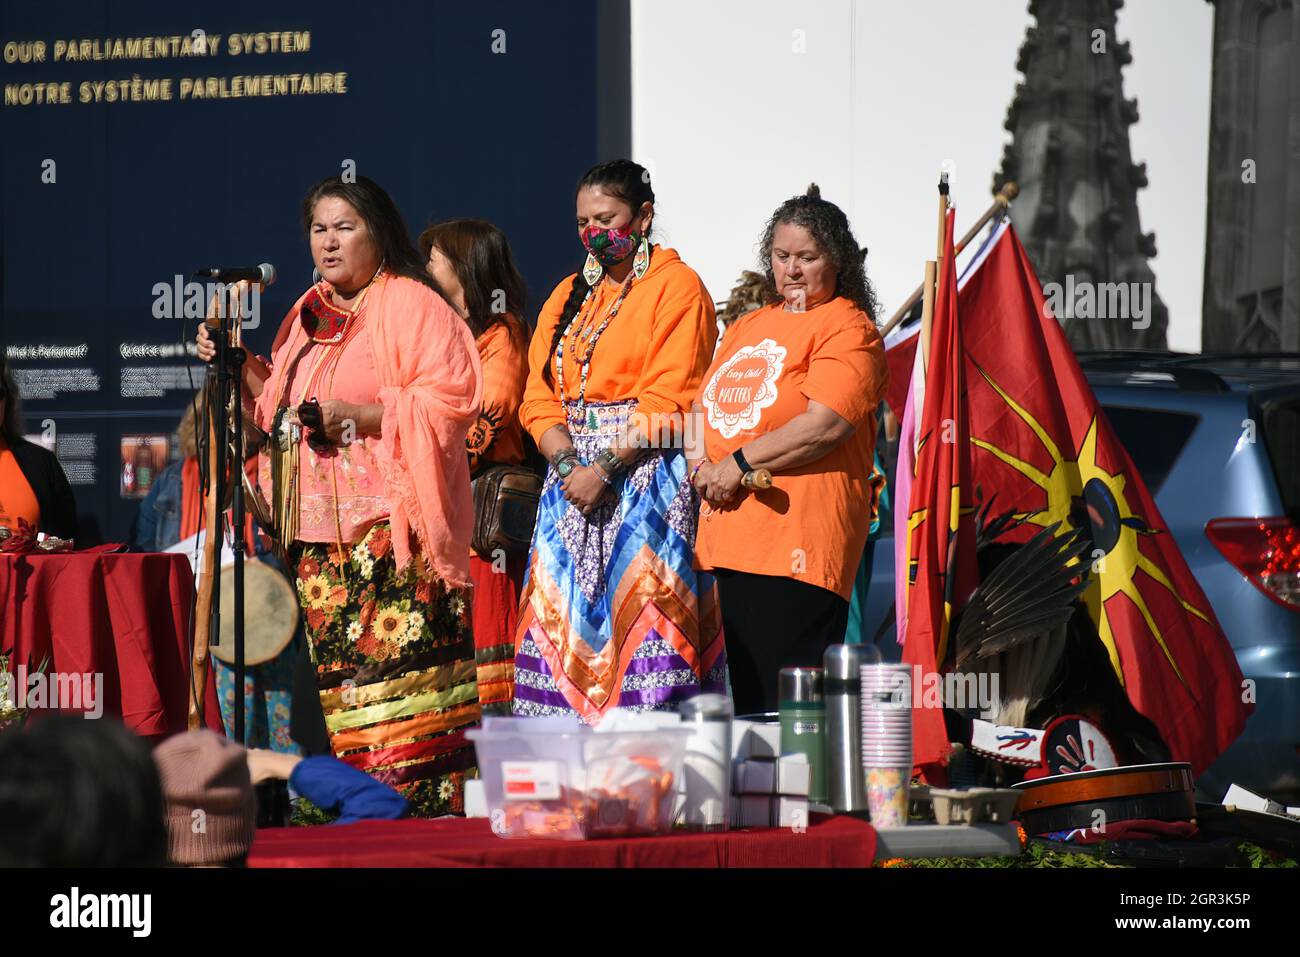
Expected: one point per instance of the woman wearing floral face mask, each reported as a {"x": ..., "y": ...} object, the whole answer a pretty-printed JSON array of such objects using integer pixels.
[{"x": 613, "y": 614}]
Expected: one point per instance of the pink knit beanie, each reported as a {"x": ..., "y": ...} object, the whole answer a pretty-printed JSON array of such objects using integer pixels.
[{"x": 211, "y": 810}]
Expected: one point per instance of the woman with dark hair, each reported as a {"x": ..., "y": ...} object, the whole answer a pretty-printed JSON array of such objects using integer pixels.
[
  {"x": 613, "y": 613},
  {"x": 470, "y": 263},
  {"x": 372, "y": 384},
  {"x": 793, "y": 390},
  {"x": 34, "y": 490},
  {"x": 79, "y": 793}
]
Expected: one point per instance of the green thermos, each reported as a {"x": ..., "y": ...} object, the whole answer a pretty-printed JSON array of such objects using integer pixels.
[{"x": 803, "y": 723}]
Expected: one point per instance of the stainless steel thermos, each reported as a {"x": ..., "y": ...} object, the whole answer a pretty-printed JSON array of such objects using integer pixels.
[{"x": 842, "y": 686}]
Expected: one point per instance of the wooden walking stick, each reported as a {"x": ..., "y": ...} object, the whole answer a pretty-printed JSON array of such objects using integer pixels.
[
  {"x": 214, "y": 426},
  {"x": 1002, "y": 201}
]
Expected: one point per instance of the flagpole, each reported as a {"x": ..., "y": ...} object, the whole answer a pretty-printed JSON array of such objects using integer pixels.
[
  {"x": 931, "y": 275},
  {"x": 927, "y": 311},
  {"x": 1000, "y": 204},
  {"x": 943, "y": 214}
]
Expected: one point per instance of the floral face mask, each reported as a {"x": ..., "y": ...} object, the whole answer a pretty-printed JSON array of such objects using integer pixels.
[{"x": 610, "y": 246}]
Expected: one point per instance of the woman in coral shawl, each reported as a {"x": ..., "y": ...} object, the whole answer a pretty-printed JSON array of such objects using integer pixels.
[{"x": 372, "y": 384}]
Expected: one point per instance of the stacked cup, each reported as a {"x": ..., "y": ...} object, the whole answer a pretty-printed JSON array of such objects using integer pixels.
[{"x": 887, "y": 741}]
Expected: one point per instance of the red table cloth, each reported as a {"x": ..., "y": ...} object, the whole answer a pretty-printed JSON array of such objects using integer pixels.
[
  {"x": 125, "y": 616},
  {"x": 460, "y": 842}
]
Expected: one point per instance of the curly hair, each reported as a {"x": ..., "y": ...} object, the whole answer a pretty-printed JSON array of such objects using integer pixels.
[
  {"x": 831, "y": 232},
  {"x": 746, "y": 295}
]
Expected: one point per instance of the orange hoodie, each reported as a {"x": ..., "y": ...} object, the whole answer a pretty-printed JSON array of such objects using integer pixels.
[{"x": 655, "y": 350}]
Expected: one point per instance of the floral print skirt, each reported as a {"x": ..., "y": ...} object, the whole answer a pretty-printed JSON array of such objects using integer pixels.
[
  {"x": 394, "y": 657},
  {"x": 268, "y": 694},
  {"x": 268, "y": 700}
]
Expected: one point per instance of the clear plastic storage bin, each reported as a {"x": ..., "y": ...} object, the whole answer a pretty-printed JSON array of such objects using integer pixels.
[{"x": 559, "y": 779}]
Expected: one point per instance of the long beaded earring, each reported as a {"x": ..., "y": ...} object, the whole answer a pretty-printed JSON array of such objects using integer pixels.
[
  {"x": 642, "y": 261},
  {"x": 592, "y": 270}
]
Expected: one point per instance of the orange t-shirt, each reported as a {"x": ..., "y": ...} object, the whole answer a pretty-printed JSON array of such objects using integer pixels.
[
  {"x": 496, "y": 436},
  {"x": 655, "y": 350},
  {"x": 812, "y": 524},
  {"x": 17, "y": 500}
]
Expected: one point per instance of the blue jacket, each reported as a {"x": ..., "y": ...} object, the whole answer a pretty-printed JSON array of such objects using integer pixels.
[
  {"x": 158, "y": 523},
  {"x": 334, "y": 786}
]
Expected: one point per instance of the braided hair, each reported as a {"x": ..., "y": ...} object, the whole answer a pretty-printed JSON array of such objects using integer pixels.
[
  {"x": 627, "y": 181},
  {"x": 830, "y": 230}
]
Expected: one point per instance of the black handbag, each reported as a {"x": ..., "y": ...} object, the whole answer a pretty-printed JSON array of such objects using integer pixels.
[{"x": 505, "y": 510}]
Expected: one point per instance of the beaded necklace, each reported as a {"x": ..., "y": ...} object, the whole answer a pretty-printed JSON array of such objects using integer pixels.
[{"x": 587, "y": 334}]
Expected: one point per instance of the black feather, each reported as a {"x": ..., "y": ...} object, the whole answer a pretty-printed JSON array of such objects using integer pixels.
[{"x": 1027, "y": 595}]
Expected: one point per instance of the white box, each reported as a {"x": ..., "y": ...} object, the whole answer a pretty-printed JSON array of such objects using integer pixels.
[
  {"x": 756, "y": 777},
  {"x": 752, "y": 739},
  {"x": 1250, "y": 801},
  {"x": 790, "y": 812},
  {"x": 475, "y": 798},
  {"x": 751, "y": 810},
  {"x": 793, "y": 775}
]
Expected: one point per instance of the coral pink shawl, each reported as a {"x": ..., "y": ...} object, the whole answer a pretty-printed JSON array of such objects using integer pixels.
[{"x": 431, "y": 386}]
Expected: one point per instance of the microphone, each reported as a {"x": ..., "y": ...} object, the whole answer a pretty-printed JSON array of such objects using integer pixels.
[{"x": 264, "y": 274}]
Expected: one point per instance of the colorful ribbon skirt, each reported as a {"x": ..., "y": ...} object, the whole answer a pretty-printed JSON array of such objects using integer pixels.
[
  {"x": 612, "y": 613},
  {"x": 394, "y": 658}
]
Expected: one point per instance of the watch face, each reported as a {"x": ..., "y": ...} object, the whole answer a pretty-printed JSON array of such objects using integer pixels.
[{"x": 565, "y": 467}]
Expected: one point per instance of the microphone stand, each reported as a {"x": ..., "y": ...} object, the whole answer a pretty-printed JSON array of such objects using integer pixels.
[{"x": 229, "y": 428}]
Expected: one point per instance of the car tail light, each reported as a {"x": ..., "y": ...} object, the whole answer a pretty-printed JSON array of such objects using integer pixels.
[{"x": 1265, "y": 550}]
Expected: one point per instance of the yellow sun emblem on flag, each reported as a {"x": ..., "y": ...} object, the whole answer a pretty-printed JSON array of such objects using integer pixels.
[{"x": 1083, "y": 495}]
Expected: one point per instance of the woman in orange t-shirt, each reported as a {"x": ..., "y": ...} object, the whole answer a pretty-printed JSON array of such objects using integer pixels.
[
  {"x": 613, "y": 612},
  {"x": 793, "y": 390},
  {"x": 472, "y": 266}
]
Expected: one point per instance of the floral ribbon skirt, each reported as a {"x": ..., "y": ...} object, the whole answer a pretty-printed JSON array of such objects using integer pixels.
[{"x": 394, "y": 657}]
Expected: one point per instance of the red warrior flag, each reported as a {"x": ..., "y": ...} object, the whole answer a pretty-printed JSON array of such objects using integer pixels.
[
  {"x": 942, "y": 571},
  {"x": 1041, "y": 443}
]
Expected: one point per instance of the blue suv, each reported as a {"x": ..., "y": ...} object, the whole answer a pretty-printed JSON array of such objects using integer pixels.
[{"x": 1217, "y": 440}]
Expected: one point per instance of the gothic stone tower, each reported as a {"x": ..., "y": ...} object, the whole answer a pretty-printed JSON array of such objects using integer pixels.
[
  {"x": 1251, "y": 301},
  {"x": 1077, "y": 210}
]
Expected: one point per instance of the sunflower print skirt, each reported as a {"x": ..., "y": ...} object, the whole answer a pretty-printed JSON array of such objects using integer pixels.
[{"x": 394, "y": 656}]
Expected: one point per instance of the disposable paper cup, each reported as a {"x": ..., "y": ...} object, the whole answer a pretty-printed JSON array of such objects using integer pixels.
[
  {"x": 887, "y": 792},
  {"x": 894, "y": 751}
]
